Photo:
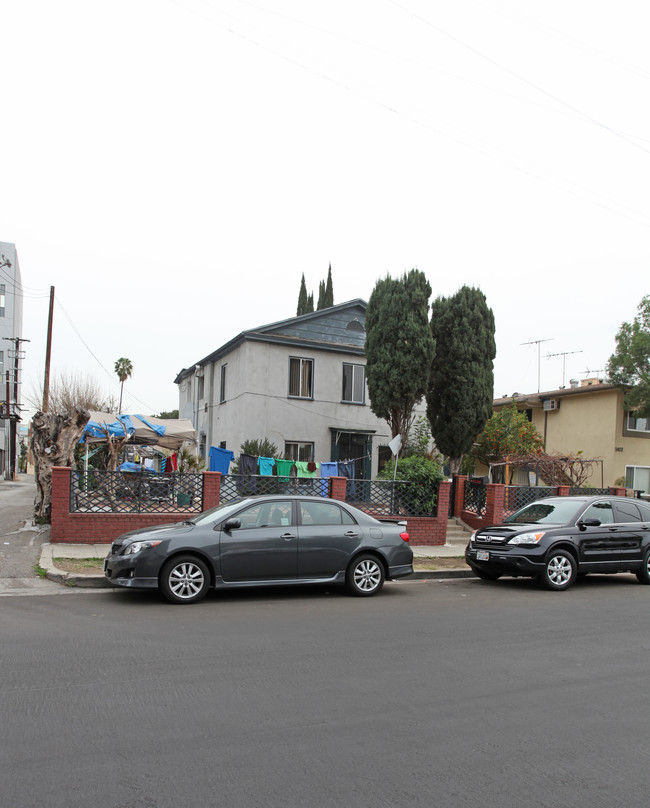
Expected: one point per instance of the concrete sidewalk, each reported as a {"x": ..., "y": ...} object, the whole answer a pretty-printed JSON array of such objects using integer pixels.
[{"x": 49, "y": 552}]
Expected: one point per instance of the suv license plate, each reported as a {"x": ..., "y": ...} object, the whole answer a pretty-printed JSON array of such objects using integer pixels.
[{"x": 482, "y": 555}]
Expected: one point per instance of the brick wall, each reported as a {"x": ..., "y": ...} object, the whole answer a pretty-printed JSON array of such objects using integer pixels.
[
  {"x": 423, "y": 530},
  {"x": 102, "y": 528}
]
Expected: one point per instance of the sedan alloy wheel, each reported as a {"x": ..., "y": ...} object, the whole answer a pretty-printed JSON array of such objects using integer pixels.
[
  {"x": 184, "y": 580},
  {"x": 365, "y": 576}
]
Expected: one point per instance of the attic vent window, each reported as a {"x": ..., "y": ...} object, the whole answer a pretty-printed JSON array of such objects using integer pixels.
[{"x": 354, "y": 325}]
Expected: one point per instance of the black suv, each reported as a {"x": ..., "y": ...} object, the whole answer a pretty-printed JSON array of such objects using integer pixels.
[{"x": 558, "y": 538}]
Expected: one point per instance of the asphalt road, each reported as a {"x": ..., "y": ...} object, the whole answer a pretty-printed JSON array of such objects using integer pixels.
[
  {"x": 20, "y": 541},
  {"x": 449, "y": 693}
]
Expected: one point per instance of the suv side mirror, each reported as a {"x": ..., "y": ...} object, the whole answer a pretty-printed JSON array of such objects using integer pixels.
[
  {"x": 232, "y": 524},
  {"x": 583, "y": 524}
]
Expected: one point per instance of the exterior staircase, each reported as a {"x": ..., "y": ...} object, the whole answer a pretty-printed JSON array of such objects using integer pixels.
[{"x": 457, "y": 534}]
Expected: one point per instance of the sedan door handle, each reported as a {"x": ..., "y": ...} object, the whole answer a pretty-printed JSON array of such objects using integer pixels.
[
  {"x": 288, "y": 536},
  {"x": 350, "y": 534}
]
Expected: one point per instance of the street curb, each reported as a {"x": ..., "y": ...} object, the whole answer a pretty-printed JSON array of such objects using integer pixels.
[
  {"x": 428, "y": 575},
  {"x": 58, "y": 576},
  {"x": 80, "y": 580}
]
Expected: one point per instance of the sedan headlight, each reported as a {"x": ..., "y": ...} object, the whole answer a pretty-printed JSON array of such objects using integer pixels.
[
  {"x": 136, "y": 546},
  {"x": 526, "y": 538}
]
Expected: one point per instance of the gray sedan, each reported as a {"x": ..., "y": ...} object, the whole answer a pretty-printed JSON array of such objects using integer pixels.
[{"x": 263, "y": 541}]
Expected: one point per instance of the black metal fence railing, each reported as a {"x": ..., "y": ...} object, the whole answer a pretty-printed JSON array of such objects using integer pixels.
[
  {"x": 388, "y": 498},
  {"x": 235, "y": 486},
  {"x": 380, "y": 497},
  {"x": 99, "y": 491},
  {"x": 518, "y": 496},
  {"x": 475, "y": 498},
  {"x": 588, "y": 492}
]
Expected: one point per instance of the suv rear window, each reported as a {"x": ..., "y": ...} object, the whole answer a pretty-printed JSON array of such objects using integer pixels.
[{"x": 628, "y": 512}]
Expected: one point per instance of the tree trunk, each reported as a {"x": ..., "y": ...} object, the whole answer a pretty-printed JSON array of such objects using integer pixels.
[
  {"x": 54, "y": 438},
  {"x": 454, "y": 464}
]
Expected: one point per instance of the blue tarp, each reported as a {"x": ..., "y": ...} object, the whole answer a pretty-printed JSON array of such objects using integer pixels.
[
  {"x": 119, "y": 427},
  {"x": 135, "y": 467},
  {"x": 97, "y": 429}
]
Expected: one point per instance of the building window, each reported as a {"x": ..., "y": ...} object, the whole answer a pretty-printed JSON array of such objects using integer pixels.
[
  {"x": 301, "y": 377},
  {"x": 354, "y": 383},
  {"x": 638, "y": 478},
  {"x": 2, "y": 300},
  {"x": 222, "y": 384},
  {"x": 635, "y": 424},
  {"x": 303, "y": 452},
  {"x": 201, "y": 393}
]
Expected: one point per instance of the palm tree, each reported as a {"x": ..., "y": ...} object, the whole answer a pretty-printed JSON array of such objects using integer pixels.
[{"x": 124, "y": 370}]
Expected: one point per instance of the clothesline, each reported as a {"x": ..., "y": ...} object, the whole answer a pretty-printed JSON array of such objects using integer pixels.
[{"x": 220, "y": 460}]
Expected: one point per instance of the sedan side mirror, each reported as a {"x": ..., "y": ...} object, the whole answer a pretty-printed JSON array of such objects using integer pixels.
[
  {"x": 231, "y": 524},
  {"x": 583, "y": 524}
]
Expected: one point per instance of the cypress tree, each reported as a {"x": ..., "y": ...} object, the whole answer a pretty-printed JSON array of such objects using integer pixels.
[
  {"x": 399, "y": 348},
  {"x": 310, "y": 303},
  {"x": 328, "y": 299},
  {"x": 461, "y": 387},
  {"x": 302, "y": 297},
  {"x": 321, "y": 296}
]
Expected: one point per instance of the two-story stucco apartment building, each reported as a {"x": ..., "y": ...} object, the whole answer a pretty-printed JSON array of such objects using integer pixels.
[
  {"x": 300, "y": 383},
  {"x": 589, "y": 418}
]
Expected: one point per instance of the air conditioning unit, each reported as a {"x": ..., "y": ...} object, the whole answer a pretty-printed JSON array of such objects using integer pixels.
[{"x": 551, "y": 404}]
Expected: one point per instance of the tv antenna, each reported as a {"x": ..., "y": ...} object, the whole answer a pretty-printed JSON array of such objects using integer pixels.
[
  {"x": 564, "y": 355},
  {"x": 589, "y": 372},
  {"x": 538, "y": 343}
]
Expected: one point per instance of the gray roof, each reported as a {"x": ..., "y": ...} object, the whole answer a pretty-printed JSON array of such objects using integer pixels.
[{"x": 338, "y": 328}]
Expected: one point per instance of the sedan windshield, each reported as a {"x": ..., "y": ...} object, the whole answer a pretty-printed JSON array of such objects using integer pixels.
[
  {"x": 219, "y": 513},
  {"x": 545, "y": 512}
]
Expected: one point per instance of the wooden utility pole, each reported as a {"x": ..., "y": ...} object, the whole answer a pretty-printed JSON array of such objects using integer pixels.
[{"x": 48, "y": 353}]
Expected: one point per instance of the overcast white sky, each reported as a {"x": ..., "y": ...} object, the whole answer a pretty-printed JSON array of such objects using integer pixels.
[{"x": 172, "y": 167}]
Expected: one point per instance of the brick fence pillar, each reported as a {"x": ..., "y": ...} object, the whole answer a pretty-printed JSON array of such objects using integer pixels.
[
  {"x": 494, "y": 506},
  {"x": 617, "y": 492},
  {"x": 211, "y": 489},
  {"x": 459, "y": 496},
  {"x": 444, "y": 492},
  {"x": 60, "y": 501},
  {"x": 338, "y": 487},
  {"x": 563, "y": 490}
]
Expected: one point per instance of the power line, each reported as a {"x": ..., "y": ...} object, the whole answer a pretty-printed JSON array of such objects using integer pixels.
[
  {"x": 526, "y": 81},
  {"x": 396, "y": 106}
]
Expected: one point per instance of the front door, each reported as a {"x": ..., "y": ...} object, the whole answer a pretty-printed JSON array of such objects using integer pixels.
[{"x": 264, "y": 548}]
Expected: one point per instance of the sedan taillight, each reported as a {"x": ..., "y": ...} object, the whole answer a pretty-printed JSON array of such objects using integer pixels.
[{"x": 404, "y": 536}]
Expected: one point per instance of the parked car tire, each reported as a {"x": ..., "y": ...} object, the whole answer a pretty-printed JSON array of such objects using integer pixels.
[
  {"x": 643, "y": 575},
  {"x": 365, "y": 576},
  {"x": 184, "y": 579},
  {"x": 560, "y": 570}
]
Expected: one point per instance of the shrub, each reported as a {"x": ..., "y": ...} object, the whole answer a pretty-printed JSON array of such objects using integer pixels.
[{"x": 424, "y": 476}]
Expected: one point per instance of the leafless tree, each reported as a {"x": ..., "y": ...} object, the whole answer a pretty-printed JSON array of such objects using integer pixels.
[{"x": 70, "y": 390}]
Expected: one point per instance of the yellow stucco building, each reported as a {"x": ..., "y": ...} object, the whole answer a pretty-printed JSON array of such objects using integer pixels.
[{"x": 589, "y": 418}]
